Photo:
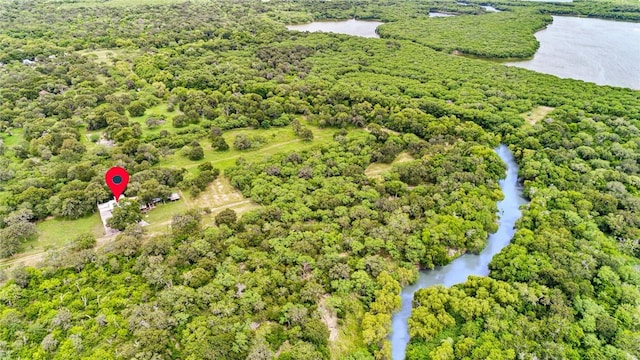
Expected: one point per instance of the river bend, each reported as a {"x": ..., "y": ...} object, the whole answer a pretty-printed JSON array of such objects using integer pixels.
[{"x": 459, "y": 269}]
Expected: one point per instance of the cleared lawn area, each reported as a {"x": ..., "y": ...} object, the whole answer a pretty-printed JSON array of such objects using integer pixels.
[
  {"x": 56, "y": 231},
  {"x": 13, "y": 139},
  {"x": 536, "y": 114},
  {"x": 377, "y": 170},
  {"x": 159, "y": 218},
  {"x": 279, "y": 140},
  {"x": 157, "y": 111},
  {"x": 105, "y": 56},
  {"x": 220, "y": 195}
]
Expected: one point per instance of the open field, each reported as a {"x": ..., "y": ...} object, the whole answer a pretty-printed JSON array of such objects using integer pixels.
[
  {"x": 13, "y": 139},
  {"x": 105, "y": 56},
  {"x": 220, "y": 195},
  {"x": 536, "y": 114},
  {"x": 55, "y": 233},
  {"x": 219, "y": 192},
  {"x": 377, "y": 170},
  {"x": 159, "y": 110},
  {"x": 159, "y": 218},
  {"x": 279, "y": 140}
]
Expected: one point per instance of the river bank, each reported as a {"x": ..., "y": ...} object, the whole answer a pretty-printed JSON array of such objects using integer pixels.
[{"x": 458, "y": 270}]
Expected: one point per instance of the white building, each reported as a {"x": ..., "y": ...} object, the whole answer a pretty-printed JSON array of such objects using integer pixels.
[{"x": 106, "y": 210}]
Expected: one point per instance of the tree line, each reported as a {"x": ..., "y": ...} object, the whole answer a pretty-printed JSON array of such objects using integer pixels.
[{"x": 326, "y": 236}]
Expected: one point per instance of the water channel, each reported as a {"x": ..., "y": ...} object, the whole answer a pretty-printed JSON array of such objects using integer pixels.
[
  {"x": 601, "y": 51},
  {"x": 489, "y": 8},
  {"x": 459, "y": 269},
  {"x": 437, "y": 14}
]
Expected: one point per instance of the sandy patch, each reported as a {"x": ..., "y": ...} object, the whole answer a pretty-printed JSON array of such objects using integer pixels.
[
  {"x": 220, "y": 195},
  {"x": 328, "y": 318},
  {"x": 376, "y": 170},
  {"x": 536, "y": 114}
]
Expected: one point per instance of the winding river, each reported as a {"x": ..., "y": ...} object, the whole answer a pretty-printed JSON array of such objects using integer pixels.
[
  {"x": 458, "y": 270},
  {"x": 601, "y": 51}
]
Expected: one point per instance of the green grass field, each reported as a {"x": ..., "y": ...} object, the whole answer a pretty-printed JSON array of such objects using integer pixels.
[
  {"x": 159, "y": 218},
  {"x": 14, "y": 139},
  {"x": 377, "y": 170},
  {"x": 55, "y": 233},
  {"x": 279, "y": 140},
  {"x": 156, "y": 111}
]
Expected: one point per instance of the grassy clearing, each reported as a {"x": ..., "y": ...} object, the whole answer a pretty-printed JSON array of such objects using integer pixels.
[
  {"x": 160, "y": 110},
  {"x": 85, "y": 138},
  {"x": 55, "y": 233},
  {"x": 159, "y": 218},
  {"x": 13, "y": 139},
  {"x": 536, "y": 114},
  {"x": 348, "y": 333},
  {"x": 240, "y": 208},
  {"x": 105, "y": 56},
  {"x": 279, "y": 140},
  {"x": 377, "y": 170},
  {"x": 220, "y": 195}
]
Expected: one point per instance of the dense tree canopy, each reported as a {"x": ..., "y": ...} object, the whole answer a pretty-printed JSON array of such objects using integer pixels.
[
  {"x": 327, "y": 242},
  {"x": 499, "y": 35}
]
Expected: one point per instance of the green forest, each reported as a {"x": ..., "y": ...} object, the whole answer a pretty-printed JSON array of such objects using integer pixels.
[{"x": 217, "y": 100}]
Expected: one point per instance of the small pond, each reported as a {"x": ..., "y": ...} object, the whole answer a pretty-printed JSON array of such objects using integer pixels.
[{"x": 349, "y": 27}]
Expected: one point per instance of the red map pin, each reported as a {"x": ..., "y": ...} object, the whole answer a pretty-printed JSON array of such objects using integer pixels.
[{"x": 117, "y": 179}]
